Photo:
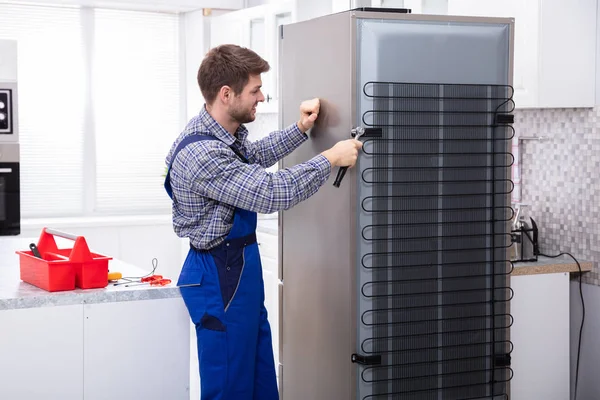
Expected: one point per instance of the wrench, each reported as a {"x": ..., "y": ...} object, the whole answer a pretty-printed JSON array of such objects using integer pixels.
[{"x": 357, "y": 133}]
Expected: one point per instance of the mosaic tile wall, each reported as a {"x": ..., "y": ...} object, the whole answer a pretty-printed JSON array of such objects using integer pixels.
[{"x": 561, "y": 180}]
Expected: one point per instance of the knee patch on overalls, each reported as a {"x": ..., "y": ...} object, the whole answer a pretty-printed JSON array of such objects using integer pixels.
[{"x": 213, "y": 323}]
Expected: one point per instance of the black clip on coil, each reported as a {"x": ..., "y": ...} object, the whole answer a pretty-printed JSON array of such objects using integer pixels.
[{"x": 356, "y": 133}]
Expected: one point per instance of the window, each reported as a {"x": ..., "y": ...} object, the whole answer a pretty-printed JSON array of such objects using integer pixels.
[
  {"x": 51, "y": 106},
  {"x": 99, "y": 98},
  {"x": 136, "y": 100}
]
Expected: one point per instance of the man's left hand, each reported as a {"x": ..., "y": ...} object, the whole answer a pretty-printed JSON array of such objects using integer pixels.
[{"x": 309, "y": 111}]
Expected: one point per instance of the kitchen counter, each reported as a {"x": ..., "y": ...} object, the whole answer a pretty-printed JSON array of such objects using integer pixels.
[
  {"x": 16, "y": 294},
  {"x": 77, "y": 344},
  {"x": 546, "y": 265}
]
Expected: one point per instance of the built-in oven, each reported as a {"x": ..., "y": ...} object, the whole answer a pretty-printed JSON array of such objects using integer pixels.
[
  {"x": 9, "y": 129},
  {"x": 10, "y": 190}
]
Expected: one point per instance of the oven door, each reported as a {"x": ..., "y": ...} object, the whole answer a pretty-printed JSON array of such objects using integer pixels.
[{"x": 10, "y": 199}]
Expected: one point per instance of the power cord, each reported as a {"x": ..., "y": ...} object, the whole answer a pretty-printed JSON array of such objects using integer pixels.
[{"x": 582, "y": 318}]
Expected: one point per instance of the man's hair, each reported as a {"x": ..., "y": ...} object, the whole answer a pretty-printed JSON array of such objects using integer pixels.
[{"x": 229, "y": 65}]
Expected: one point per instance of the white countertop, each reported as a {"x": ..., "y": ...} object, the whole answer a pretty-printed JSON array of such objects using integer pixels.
[{"x": 16, "y": 294}]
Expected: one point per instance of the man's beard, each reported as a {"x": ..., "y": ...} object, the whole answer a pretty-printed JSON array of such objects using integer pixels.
[{"x": 240, "y": 115}]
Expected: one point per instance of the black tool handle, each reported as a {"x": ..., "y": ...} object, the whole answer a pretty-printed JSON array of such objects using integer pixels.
[
  {"x": 340, "y": 176},
  {"x": 35, "y": 250}
]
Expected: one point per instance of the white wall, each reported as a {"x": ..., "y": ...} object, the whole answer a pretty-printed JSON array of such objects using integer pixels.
[
  {"x": 148, "y": 5},
  {"x": 196, "y": 42},
  {"x": 308, "y": 9},
  {"x": 8, "y": 63}
]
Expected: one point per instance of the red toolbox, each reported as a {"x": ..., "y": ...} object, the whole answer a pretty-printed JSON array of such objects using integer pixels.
[{"x": 63, "y": 269}]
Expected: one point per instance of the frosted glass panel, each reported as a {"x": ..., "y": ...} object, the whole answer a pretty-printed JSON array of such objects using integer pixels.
[{"x": 428, "y": 52}]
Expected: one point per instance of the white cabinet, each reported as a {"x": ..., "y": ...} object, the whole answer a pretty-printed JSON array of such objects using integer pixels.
[
  {"x": 268, "y": 244},
  {"x": 554, "y": 46},
  {"x": 33, "y": 343},
  {"x": 135, "y": 342},
  {"x": 125, "y": 350},
  {"x": 540, "y": 337},
  {"x": 256, "y": 28}
]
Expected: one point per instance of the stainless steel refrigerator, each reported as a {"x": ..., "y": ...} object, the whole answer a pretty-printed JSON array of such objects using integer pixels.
[{"x": 394, "y": 284}]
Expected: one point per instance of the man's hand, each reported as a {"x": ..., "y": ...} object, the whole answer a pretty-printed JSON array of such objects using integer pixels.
[
  {"x": 309, "y": 111},
  {"x": 344, "y": 153}
]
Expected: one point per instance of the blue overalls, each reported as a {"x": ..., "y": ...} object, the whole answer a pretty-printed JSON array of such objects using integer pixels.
[{"x": 223, "y": 291}]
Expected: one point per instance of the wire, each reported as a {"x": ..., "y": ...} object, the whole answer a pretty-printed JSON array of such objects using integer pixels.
[
  {"x": 131, "y": 279},
  {"x": 582, "y": 317}
]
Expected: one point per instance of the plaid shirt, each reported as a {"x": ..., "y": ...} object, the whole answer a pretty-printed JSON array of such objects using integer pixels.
[{"x": 209, "y": 181}]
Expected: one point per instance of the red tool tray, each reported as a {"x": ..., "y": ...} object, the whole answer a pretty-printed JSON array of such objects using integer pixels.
[{"x": 63, "y": 269}]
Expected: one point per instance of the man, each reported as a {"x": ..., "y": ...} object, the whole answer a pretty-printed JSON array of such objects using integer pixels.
[{"x": 218, "y": 183}]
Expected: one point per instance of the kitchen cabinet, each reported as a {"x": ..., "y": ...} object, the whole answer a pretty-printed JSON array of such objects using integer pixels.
[
  {"x": 268, "y": 242},
  {"x": 117, "y": 343},
  {"x": 540, "y": 309},
  {"x": 256, "y": 28},
  {"x": 88, "y": 351},
  {"x": 135, "y": 340},
  {"x": 33, "y": 343},
  {"x": 555, "y": 46},
  {"x": 540, "y": 337}
]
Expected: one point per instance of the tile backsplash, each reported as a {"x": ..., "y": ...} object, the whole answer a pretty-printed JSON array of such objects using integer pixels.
[{"x": 560, "y": 180}]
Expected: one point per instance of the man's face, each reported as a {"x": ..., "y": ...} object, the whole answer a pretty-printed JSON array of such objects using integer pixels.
[{"x": 243, "y": 107}]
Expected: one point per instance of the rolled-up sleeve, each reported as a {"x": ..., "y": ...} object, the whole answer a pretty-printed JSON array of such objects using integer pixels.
[{"x": 226, "y": 179}]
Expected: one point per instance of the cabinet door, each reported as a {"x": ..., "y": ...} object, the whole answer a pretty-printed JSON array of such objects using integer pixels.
[
  {"x": 540, "y": 310},
  {"x": 526, "y": 62},
  {"x": 567, "y": 67},
  {"x": 256, "y": 28},
  {"x": 137, "y": 350},
  {"x": 228, "y": 28},
  {"x": 281, "y": 18},
  {"x": 41, "y": 353}
]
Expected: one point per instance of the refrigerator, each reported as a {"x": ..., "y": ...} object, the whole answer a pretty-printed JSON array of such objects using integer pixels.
[{"x": 395, "y": 284}]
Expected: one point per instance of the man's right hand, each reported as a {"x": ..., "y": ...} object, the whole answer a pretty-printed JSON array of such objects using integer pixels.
[{"x": 344, "y": 153}]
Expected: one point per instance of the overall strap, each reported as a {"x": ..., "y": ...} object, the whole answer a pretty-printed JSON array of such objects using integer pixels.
[{"x": 189, "y": 140}]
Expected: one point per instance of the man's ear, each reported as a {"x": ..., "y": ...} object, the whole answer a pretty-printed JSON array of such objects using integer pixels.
[{"x": 225, "y": 94}]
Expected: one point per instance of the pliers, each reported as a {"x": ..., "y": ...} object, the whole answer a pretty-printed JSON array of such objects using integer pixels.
[{"x": 154, "y": 280}]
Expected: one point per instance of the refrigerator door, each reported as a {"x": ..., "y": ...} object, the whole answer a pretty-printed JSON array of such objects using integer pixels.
[
  {"x": 433, "y": 207},
  {"x": 317, "y": 326}
]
